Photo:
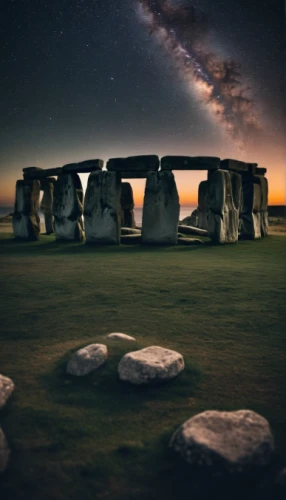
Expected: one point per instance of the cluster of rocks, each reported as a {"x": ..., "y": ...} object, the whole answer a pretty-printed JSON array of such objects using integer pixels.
[
  {"x": 232, "y": 202},
  {"x": 6, "y": 389}
]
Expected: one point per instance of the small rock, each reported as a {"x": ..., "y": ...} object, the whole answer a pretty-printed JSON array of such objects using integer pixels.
[
  {"x": 120, "y": 336},
  {"x": 6, "y": 388},
  {"x": 87, "y": 359},
  {"x": 228, "y": 441},
  {"x": 149, "y": 365},
  {"x": 4, "y": 451}
]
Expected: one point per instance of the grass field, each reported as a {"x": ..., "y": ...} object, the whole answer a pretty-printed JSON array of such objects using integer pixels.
[{"x": 222, "y": 307}]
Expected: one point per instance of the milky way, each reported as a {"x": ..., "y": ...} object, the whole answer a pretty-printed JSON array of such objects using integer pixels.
[{"x": 183, "y": 33}]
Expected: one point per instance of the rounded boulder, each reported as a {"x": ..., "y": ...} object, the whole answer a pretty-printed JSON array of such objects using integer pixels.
[
  {"x": 151, "y": 364},
  {"x": 6, "y": 388},
  {"x": 87, "y": 359},
  {"x": 233, "y": 442}
]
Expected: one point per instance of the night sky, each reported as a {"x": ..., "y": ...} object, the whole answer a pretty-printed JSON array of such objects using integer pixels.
[{"x": 88, "y": 79}]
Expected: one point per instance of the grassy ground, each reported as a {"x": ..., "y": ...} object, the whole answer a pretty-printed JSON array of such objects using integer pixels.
[{"x": 223, "y": 308}]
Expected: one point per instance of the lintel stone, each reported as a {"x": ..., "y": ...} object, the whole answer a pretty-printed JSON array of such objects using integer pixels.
[
  {"x": 238, "y": 166},
  {"x": 190, "y": 163},
  {"x": 142, "y": 163},
  {"x": 86, "y": 166}
]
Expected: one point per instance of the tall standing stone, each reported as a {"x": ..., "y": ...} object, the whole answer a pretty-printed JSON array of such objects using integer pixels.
[
  {"x": 223, "y": 216},
  {"x": 127, "y": 206},
  {"x": 47, "y": 185},
  {"x": 203, "y": 205},
  {"x": 263, "y": 182},
  {"x": 251, "y": 208},
  {"x": 26, "y": 220},
  {"x": 102, "y": 208},
  {"x": 68, "y": 207},
  {"x": 161, "y": 209}
]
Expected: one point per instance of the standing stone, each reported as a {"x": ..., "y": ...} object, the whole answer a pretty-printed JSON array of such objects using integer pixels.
[
  {"x": 26, "y": 220},
  {"x": 223, "y": 216},
  {"x": 102, "y": 208},
  {"x": 127, "y": 206},
  {"x": 251, "y": 208},
  {"x": 4, "y": 451},
  {"x": 47, "y": 185},
  {"x": 161, "y": 209},
  {"x": 203, "y": 205},
  {"x": 263, "y": 183},
  {"x": 191, "y": 220},
  {"x": 68, "y": 207}
]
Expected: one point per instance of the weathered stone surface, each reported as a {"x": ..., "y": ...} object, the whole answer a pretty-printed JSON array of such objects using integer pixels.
[
  {"x": 131, "y": 239},
  {"x": 261, "y": 171},
  {"x": 4, "y": 452},
  {"x": 192, "y": 230},
  {"x": 238, "y": 166},
  {"x": 68, "y": 207},
  {"x": 47, "y": 204},
  {"x": 151, "y": 364},
  {"x": 251, "y": 208},
  {"x": 191, "y": 220},
  {"x": 26, "y": 221},
  {"x": 263, "y": 183},
  {"x": 40, "y": 173},
  {"x": 120, "y": 336},
  {"x": 6, "y": 388},
  {"x": 128, "y": 230},
  {"x": 236, "y": 184},
  {"x": 87, "y": 359},
  {"x": 102, "y": 208},
  {"x": 127, "y": 218},
  {"x": 189, "y": 241},
  {"x": 190, "y": 163},
  {"x": 134, "y": 163},
  {"x": 223, "y": 216},
  {"x": 84, "y": 166},
  {"x": 203, "y": 205},
  {"x": 233, "y": 442},
  {"x": 161, "y": 209}
]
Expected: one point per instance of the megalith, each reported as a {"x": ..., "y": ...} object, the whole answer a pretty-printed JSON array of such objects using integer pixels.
[
  {"x": 68, "y": 207},
  {"x": 127, "y": 205},
  {"x": 263, "y": 183},
  {"x": 223, "y": 216},
  {"x": 251, "y": 208},
  {"x": 102, "y": 208},
  {"x": 161, "y": 209},
  {"x": 26, "y": 220},
  {"x": 202, "y": 205},
  {"x": 47, "y": 186}
]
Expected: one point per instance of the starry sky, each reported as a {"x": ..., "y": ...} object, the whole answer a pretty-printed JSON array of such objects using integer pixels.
[{"x": 88, "y": 79}]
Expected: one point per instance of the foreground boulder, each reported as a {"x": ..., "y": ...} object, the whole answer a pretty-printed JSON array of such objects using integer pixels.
[
  {"x": 87, "y": 359},
  {"x": 151, "y": 364},
  {"x": 232, "y": 442},
  {"x": 6, "y": 388},
  {"x": 120, "y": 336},
  {"x": 4, "y": 451}
]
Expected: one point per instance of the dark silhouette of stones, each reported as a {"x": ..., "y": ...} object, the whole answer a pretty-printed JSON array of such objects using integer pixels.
[
  {"x": 102, "y": 208},
  {"x": 238, "y": 166},
  {"x": 26, "y": 221},
  {"x": 261, "y": 171},
  {"x": 127, "y": 205},
  {"x": 191, "y": 220},
  {"x": 4, "y": 452},
  {"x": 223, "y": 217},
  {"x": 192, "y": 230},
  {"x": 161, "y": 209},
  {"x": 134, "y": 163},
  {"x": 39, "y": 173},
  {"x": 152, "y": 364},
  {"x": 86, "y": 166},
  {"x": 227, "y": 442},
  {"x": 190, "y": 163},
  {"x": 6, "y": 388},
  {"x": 131, "y": 239},
  {"x": 129, "y": 230},
  {"x": 68, "y": 207},
  {"x": 203, "y": 205},
  {"x": 47, "y": 185},
  {"x": 189, "y": 241},
  {"x": 132, "y": 174},
  {"x": 87, "y": 359}
]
